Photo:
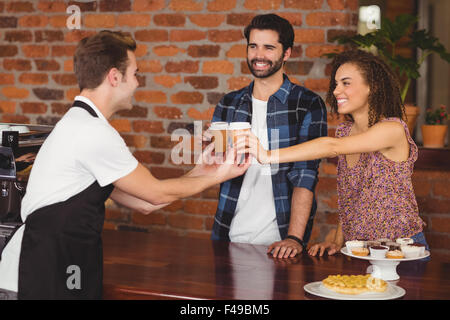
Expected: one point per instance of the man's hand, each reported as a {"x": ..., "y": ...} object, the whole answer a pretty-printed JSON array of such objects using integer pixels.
[
  {"x": 286, "y": 248},
  {"x": 331, "y": 248}
]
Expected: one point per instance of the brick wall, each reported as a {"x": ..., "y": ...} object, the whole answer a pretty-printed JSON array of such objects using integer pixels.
[{"x": 189, "y": 54}]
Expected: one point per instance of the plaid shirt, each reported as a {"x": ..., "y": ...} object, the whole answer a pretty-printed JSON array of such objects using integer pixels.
[{"x": 294, "y": 115}]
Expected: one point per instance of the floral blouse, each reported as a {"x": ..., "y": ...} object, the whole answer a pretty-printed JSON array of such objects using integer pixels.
[{"x": 376, "y": 197}]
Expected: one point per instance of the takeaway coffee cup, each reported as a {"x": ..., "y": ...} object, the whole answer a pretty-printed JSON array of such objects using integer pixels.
[
  {"x": 219, "y": 132},
  {"x": 238, "y": 127}
]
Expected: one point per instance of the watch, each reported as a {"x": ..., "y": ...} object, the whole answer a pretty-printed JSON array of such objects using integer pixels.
[{"x": 300, "y": 241}]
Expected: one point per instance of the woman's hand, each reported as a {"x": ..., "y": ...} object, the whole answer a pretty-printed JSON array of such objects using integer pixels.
[
  {"x": 247, "y": 142},
  {"x": 331, "y": 248}
]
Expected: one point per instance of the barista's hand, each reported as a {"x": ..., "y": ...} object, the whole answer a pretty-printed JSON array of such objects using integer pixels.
[
  {"x": 247, "y": 142},
  {"x": 330, "y": 247}
]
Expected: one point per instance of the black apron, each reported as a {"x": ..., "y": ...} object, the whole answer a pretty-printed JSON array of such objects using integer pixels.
[{"x": 62, "y": 254}]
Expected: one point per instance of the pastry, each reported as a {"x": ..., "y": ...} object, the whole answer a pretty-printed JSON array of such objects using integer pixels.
[
  {"x": 372, "y": 243},
  {"x": 394, "y": 254},
  {"x": 378, "y": 251},
  {"x": 354, "y": 244},
  {"x": 360, "y": 251},
  {"x": 383, "y": 241},
  {"x": 421, "y": 246},
  {"x": 354, "y": 284},
  {"x": 404, "y": 241},
  {"x": 393, "y": 245},
  {"x": 410, "y": 251}
]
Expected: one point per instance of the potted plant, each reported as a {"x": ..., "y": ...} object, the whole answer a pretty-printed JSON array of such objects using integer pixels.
[
  {"x": 435, "y": 127},
  {"x": 386, "y": 41}
]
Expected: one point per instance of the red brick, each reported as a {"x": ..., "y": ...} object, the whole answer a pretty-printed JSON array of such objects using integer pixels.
[
  {"x": 168, "y": 112},
  {"x": 294, "y": 18},
  {"x": 35, "y": 51},
  {"x": 303, "y": 4},
  {"x": 115, "y": 214},
  {"x": 431, "y": 174},
  {"x": 309, "y": 36},
  {"x": 167, "y": 81},
  {"x": 115, "y": 5},
  {"x": 63, "y": 50},
  {"x": 169, "y": 20},
  {"x": 202, "y": 82},
  {"x": 207, "y": 20},
  {"x": 46, "y": 65},
  {"x": 433, "y": 205},
  {"x": 58, "y": 21},
  {"x": 442, "y": 189},
  {"x": 325, "y": 19},
  {"x": 52, "y": 6},
  {"x": 133, "y": 20},
  {"x": 153, "y": 66},
  {"x": 18, "y": 36},
  {"x": 184, "y": 221},
  {"x": 162, "y": 142},
  {"x": 6, "y": 78},
  {"x": 195, "y": 114},
  {"x": 238, "y": 82},
  {"x": 317, "y": 51},
  {"x": 135, "y": 112},
  {"x": 237, "y": 51},
  {"x": 148, "y": 126},
  {"x": 218, "y": 66},
  {"x": 438, "y": 240},
  {"x": 15, "y": 118},
  {"x": 326, "y": 185},
  {"x": 199, "y": 51},
  {"x": 166, "y": 173},
  {"x": 239, "y": 19},
  {"x": 422, "y": 188},
  {"x": 184, "y": 97},
  {"x": 149, "y": 157},
  {"x": 136, "y": 141},
  {"x": 34, "y": 21},
  {"x": 150, "y": 96},
  {"x": 298, "y": 67},
  {"x": 186, "y": 5},
  {"x": 206, "y": 207},
  {"x": 77, "y": 35},
  {"x": 99, "y": 20},
  {"x": 15, "y": 93},
  {"x": 48, "y": 94},
  {"x": 168, "y": 51},
  {"x": 262, "y": 4},
  {"x": 33, "y": 107},
  {"x": 60, "y": 108},
  {"x": 8, "y": 51},
  {"x": 49, "y": 35},
  {"x": 440, "y": 224},
  {"x": 328, "y": 168},
  {"x": 182, "y": 66},
  {"x": 148, "y": 5},
  {"x": 16, "y": 64},
  {"x": 121, "y": 125},
  {"x": 151, "y": 35},
  {"x": 225, "y": 35},
  {"x": 72, "y": 93},
  {"x": 187, "y": 35},
  {"x": 67, "y": 79},
  {"x": 317, "y": 84},
  {"x": 343, "y": 4},
  {"x": 19, "y": 6},
  {"x": 7, "y": 107},
  {"x": 33, "y": 78},
  {"x": 8, "y": 22},
  {"x": 221, "y": 5}
]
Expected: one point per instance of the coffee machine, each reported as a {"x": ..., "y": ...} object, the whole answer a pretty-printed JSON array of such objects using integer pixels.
[{"x": 17, "y": 152}]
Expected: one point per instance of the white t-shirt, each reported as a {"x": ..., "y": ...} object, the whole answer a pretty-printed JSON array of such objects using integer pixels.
[
  {"x": 255, "y": 220},
  {"x": 80, "y": 150}
]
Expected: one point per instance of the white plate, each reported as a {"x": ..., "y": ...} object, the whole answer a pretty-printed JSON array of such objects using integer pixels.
[
  {"x": 344, "y": 251},
  {"x": 317, "y": 289}
]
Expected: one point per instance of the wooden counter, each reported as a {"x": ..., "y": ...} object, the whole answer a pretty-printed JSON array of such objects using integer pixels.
[{"x": 157, "y": 266}]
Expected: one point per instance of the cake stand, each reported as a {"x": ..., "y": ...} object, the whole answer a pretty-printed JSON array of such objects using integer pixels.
[{"x": 384, "y": 268}]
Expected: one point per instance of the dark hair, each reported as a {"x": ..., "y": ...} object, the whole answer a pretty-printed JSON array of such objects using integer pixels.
[
  {"x": 384, "y": 97},
  {"x": 97, "y": 54},
  {"x": 275, "y": 23}
]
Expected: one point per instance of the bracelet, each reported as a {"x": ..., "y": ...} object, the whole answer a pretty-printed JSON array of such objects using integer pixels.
[{"x": 300, "y": 241}]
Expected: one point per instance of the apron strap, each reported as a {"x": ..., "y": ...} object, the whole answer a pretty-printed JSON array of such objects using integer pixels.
[{"x": 85, "y": 106}]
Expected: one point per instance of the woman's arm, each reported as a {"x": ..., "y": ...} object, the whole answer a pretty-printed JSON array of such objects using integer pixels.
[{"x": 381, "y": 136}]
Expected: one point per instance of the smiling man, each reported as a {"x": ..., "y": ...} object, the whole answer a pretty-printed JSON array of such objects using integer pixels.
[{"x": 274, "y": 206}]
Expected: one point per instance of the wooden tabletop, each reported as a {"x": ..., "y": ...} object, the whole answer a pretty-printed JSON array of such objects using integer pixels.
[{"x": 158, "y": 266}]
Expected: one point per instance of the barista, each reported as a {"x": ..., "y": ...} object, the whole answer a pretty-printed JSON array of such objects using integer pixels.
[{"x": 57, "y": 253}]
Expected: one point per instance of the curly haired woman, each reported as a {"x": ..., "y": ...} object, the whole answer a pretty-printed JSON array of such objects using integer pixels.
[{"x": 376, "y": 154}]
